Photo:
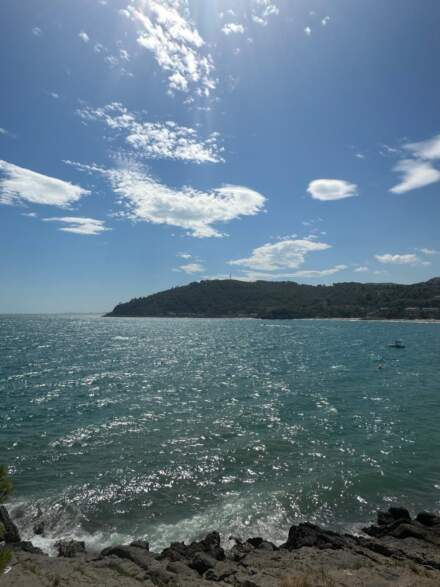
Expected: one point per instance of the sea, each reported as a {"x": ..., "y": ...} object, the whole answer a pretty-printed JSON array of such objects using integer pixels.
[{"x": 118, "y": 429}]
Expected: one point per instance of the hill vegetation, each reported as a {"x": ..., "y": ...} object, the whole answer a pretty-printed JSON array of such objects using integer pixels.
[{"x": 283, "y": 300}]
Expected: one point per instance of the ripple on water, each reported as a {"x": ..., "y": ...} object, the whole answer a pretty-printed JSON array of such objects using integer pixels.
[{"x": 169, "y": 428}]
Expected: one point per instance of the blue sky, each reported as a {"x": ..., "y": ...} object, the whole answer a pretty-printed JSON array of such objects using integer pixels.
[{"x": 147, "y": 144}]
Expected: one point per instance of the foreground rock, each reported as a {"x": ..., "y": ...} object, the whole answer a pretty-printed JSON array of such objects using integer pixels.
[{"x": 397, "y": 550}]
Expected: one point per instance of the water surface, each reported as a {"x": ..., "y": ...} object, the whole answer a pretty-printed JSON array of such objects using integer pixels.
[{"x": 169, "y": 428}]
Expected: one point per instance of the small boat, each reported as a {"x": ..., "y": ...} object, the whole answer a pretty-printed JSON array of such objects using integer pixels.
[{"x": 397, "y": 344}]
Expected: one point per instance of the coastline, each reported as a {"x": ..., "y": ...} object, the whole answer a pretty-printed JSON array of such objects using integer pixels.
[{"x": 397, "y": 550}]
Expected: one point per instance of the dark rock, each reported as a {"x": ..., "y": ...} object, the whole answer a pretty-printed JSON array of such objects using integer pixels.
[
  {"x": 412, "y": 531},
  {"x": 384, "y": 518},
  {"x": 399, "y": 513},
  {"x": 202, "y": 562},
  {"x": 311, "y": 535},
  {"x": 428, "y": 519},
  {"x": 180, "y": 551},
  {"x": 70, "y": 548},
  {"x": 140, "y": 557},
  {"x": 27, "y": 546},
  {"x": 261, "y": 544},
  {"x": 141, "y": 544},
  {"x": 11, "y": 534},
  {"x": 39, "y": 528}
]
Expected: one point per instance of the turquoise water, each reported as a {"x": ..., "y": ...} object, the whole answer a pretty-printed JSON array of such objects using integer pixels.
[{"x": 168, "y": 428}]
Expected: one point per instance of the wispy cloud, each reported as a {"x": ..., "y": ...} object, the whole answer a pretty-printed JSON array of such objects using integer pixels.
[
  {"x": 286, "y": 254},
  {"x": 232, "y": 28},
  {"x": 79, "y": 225},
  {"x": 154, "y": 140},
  {"x": 419, "y": 171},
  {"x": 361, "y": 269},
  {"x": 429, "y": 149},
  {"x": 176, "y": 45},
  {"x": 429, "y": 252},
  {"x": 20, "y": 185},
  {"x": 84, "y": 36},
  {"x": 415, "y": 174},
  {"x": 263, "y": 10},
  {"x": 331, "y": 189},
  {"x": 308, "y": 31},
  {"x": 184, "y": 256},
  {"x": 193, "y": 210},
  {"x": 37, "y": 31},
  {"x": 325, "y": 20},
  {"x": 398, "y": 259}
]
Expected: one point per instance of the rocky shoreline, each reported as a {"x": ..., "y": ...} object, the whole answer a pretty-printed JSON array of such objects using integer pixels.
[{"x": 397, "y": 550}]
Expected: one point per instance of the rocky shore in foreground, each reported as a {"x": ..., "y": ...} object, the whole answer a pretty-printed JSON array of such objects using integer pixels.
[{"x": 397, "y": 550}]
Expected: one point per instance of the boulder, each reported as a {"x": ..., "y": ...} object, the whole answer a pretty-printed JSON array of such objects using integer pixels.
[
  {"x": 11, "y": 533},
  {"x": 398, "y": 513},
  {"x": 428, "y": 519},
  {"x": 261, "y": 544},
  {"x": 311, "y": 535},
  {"x": 70, "y": 548},
  {"x": 178, "y": 551},
  {"x": 141, "y": 544},
  {"x": 202, "y": 562}
]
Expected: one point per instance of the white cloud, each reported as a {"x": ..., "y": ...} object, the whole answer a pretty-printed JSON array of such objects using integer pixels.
[
  {"x": 419, "y": 171},
  {"x": 30, "y": 214},
  {"x": 308, "y": 31},
  {"x": 429, "y": 252},
  {"x": 54, "y": 95},
  {"x": 188, "y": 208},
  {"x": 416, "y": 174},
  {"x": 325, "y": 20},
  {"x": 331, "y": 189},
  {"x": 36, "y": 31},
  {"x": 176, "y": 45},
  {"x": 429, "y": 149},
  {"x": 263, "y": 10},
  {"x": 233, "y": 28},
  {"x": 361, "y": 269},
  {"x": 78, "y": 225},
  {"x": 84, "y": 36},
  {"x": 192, "y": 268},
  {"x": 184, "y": 256},
  {"x": 18, "y": 185},
  {"x": 155, "y": 140},
  {"x": 3, "y": 131},
  {"x": 408, "y": 259},
  {"x": 359, "y": 155},
  {"x": 286, "y": 254}
]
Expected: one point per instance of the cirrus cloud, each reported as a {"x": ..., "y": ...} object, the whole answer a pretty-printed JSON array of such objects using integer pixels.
[
  {"x": 79, "y": 225},
  {"x": 419, "y": 171},
  {"x": 331, "y": 189}
]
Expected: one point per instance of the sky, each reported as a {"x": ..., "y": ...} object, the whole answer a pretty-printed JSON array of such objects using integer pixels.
[{"x": 146, "y": 144}]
